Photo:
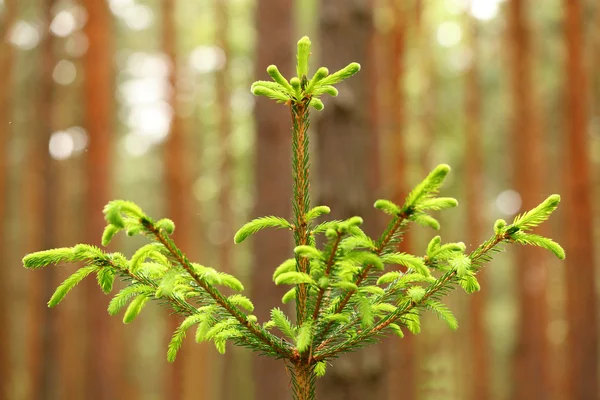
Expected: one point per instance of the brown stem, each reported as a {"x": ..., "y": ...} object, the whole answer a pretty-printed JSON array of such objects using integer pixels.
[
  {"x": 299, "y": 112},
  {"x": 304, "y": 380}
]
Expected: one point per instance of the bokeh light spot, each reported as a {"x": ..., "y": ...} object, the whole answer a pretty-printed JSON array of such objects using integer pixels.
[
  {"x": 63, "y": 24},
  {"x": 136, "y": 145},
  {"x": 64, "y": 72},
  {"x": 509, "y": 202},
  {"x": 449, "y": 34},
  {"x": 484, "y": 10},
  {"x": 24, "y": 35},
  {"x": 205, "y": 59},
  {"x": 61, "y": 145}
]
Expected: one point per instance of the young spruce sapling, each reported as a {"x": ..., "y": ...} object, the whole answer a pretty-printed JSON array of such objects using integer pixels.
[{"x": 343, "y": 296}]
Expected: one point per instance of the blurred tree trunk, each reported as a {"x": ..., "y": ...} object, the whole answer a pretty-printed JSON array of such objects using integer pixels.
[
  {"x": 479, "y": 374},
  {"x": 41, "y": 225},
  {"x": 346, "y": 154},
  {"x": 582, "y": 311},
  {"x": 105, "y": 378},
  {"x": 273, "y": 182},
  {"x": 531, "y": 373},
  {"x": 6, "y": 67},
  {"x": 402, "y": 358},
  {"x": 178, "y": 183},
  {"x": 228, "y": 391}
]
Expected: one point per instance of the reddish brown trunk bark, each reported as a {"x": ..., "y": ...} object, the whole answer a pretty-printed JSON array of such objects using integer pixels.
[
  {"x": 582, "y": 311},
  {"x": 41, "y": 228},
  {"x": 178, "y": 183},
  {"x": 6, "y": 67},
  {"x": 346, "y": 154},
  {"x": 69, "y": 315},
  {"x": 530, "y": 359},
  {"x": 273, "y": 182},
  {"x": 478, "y": 343},
  {"x": 402, "y": 351},
  {"x": 105, "y": 378}
]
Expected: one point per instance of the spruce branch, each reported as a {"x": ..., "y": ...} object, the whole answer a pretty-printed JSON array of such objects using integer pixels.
[
  {"x": 323, "y": 352},
  {"x": 235, "y": 312}
]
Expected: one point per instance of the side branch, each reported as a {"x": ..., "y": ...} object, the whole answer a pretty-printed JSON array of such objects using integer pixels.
[
  {"x": 327, "y": 272},
  {"x": 255, "y": 329},
  {"x": 395, "y": 224},
  {"x": 434, "y": 288}
]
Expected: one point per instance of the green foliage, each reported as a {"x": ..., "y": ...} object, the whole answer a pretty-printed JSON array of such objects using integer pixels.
[
  {"x": 539, "y": 241},
  {"x": 317, "y": 212},
  {"x": 443, "y": 312},
  {"x": 304, "y": 337},
  {"x": 135, "y": 307},
  {"x": 345, "y": 299},
  {"x": 179, "y": 335},
  {"x": 70, "y": 283},
  {"x": 320, "y": 368},
  {"x": 301, "y": 87},
  {"x": 282, "y": 322},
  {"x": 122, "y": 298},
  {"x": 258, "y": 224},
  {"x": 539, "y": 214},
  {"x": 106, "y": 279},
  {"x": 49, "y": 257},
  {"x": 293, "y": 278}
]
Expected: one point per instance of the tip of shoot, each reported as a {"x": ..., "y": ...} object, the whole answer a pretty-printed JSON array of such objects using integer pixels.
[
  {"x": 304, "y": 40},
  {"x": 355, "y": 221},
  {"x": 442, "y": 168},
  {"x": 553, "y": 200},
  {"x": 354, "y": 67}
]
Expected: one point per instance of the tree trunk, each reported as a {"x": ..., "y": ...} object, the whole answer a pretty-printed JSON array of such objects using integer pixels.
[
  {"x": 178, "y": 183},
  {"x": 582, "y": 313},
  {"x": 479, "y": 362},
  {"x": 346, "y": 154},
  {"x": 530, "y": 358},
  {"x": 104, "y": 375},
  {"x": 402, "y": 357},
  {"x": 6, "y": 67},
  {"x": 41, "y": 229},
  {"x": 273, "y": 183},
  {"x": 226, "y": 213}
]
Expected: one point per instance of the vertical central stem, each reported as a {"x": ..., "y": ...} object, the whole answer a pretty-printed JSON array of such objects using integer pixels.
[
  {"x": 301, "y": 202},
  {"x": 303, "y": 381}
]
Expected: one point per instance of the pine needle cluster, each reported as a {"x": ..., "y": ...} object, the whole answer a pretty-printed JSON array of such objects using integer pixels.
[{"x": 345, "y": 294}]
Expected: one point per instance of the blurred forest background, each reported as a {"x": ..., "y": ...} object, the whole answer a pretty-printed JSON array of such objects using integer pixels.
[{"x": 149, "y": 100}]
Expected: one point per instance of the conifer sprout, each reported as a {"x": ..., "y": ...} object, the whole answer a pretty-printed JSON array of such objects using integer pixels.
[{"x": 344, "y": 297}]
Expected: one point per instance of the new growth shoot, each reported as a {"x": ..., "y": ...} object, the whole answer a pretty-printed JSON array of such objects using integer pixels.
[{"x": 344, "y": 296}]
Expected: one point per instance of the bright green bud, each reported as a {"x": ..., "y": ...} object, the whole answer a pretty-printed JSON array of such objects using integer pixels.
[{"x": 302, "y": 57}]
